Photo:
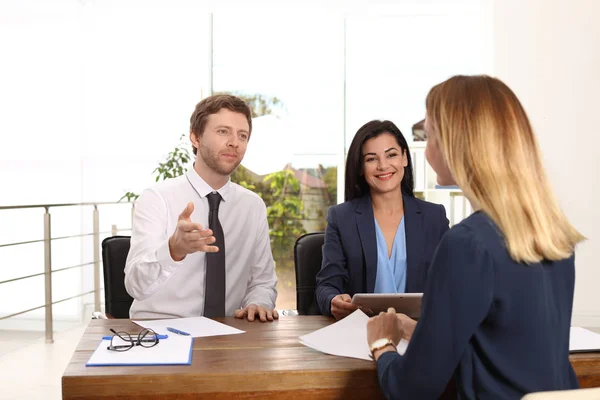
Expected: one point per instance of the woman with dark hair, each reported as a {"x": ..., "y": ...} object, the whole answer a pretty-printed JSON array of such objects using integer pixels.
[{"x": 382, "y": 238}]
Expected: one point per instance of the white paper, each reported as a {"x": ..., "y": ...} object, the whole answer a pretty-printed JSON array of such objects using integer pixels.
[
  {"x": 346, "y": 338},
  {"x": 168, "y": 351},
  {"x": 195, "y": 326},
  {"x": 583, "y": 340}
]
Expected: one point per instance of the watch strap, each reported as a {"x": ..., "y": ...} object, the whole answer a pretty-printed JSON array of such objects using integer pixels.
[{"x": 388, "y": 342}]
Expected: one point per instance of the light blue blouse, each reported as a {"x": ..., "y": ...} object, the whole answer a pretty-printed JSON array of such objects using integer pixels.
[{"x": 391, "y": 272}]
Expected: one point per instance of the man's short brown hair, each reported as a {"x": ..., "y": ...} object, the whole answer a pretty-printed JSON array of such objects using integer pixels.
[{"x": 214, "y": 104}]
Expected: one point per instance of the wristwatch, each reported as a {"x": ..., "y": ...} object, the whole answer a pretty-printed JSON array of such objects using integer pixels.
[{"x": 380, "y": 344}]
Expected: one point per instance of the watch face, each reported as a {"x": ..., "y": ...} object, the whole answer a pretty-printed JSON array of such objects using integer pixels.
[{"x": 380, "y": 343}]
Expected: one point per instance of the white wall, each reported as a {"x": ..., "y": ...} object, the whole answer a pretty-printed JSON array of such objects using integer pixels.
[{"x": 548, "y": 52}]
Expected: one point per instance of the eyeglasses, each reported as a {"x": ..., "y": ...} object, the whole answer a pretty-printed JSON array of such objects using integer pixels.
[{"x": 122, "y": 341}]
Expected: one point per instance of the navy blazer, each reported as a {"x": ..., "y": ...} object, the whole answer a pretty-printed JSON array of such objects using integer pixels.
[
  {"x": 350, "y": 250},
  {"x": 499, "y": 328}
]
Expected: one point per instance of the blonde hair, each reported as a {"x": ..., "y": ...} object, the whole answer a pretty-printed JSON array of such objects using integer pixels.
[{"x": 492, "y": 152}]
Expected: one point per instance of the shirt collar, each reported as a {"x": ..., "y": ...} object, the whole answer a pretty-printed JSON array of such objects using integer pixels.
[{"x": 204, "y": 188}]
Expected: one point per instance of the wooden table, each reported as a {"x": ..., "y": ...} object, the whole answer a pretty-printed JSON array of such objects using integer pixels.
[{"x": 265, "y": 362}]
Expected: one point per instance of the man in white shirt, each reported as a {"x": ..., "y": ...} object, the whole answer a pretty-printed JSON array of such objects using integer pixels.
[{"x": 177, "y": 266}]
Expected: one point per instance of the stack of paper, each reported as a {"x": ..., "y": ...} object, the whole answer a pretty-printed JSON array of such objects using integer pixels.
[
  {"x": 582, "y": 340},
  {"x": 195, "y": 326},
  {"x": 346, "y": 338}
]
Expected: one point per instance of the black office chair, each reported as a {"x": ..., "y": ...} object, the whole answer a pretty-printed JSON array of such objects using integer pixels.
[
  {"x": 308, "y": 255},
  {"x": 114, "y": 255}
]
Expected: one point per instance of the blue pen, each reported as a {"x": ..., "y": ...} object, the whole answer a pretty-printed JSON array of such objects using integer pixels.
[
  {"x": 177, "y": 331},
  {"x": 148, "y": 338}
]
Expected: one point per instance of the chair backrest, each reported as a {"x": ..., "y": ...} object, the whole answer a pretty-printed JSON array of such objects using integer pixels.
[
  {"x": 308, "y": 255},
  {"x": 114, "y": 255}
]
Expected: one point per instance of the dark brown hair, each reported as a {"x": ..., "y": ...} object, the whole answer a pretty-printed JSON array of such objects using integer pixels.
[
  {"x": 214, "y": 104},
  {"x": 356, "y": 185}
]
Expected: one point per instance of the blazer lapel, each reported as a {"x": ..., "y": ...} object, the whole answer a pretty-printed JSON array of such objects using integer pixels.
[
  {"x": 415, "y": 236},
  {"x": 366, "y": 231}
]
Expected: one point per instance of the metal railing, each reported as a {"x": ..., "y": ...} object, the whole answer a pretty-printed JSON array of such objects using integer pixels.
[{"x": 47, "y": 240}]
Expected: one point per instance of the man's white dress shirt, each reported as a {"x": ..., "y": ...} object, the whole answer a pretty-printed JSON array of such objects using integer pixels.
[{"x": 164, "y": 288}]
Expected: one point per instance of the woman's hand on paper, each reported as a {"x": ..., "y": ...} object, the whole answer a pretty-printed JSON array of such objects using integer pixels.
[{"x": 386, "y": 325}]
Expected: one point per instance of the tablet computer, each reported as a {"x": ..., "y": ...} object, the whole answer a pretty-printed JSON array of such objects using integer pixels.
[{"x": 406, "y": 303}]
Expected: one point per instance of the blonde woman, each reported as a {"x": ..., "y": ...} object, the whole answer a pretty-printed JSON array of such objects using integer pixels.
[{"x": 498, "y": 298}]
